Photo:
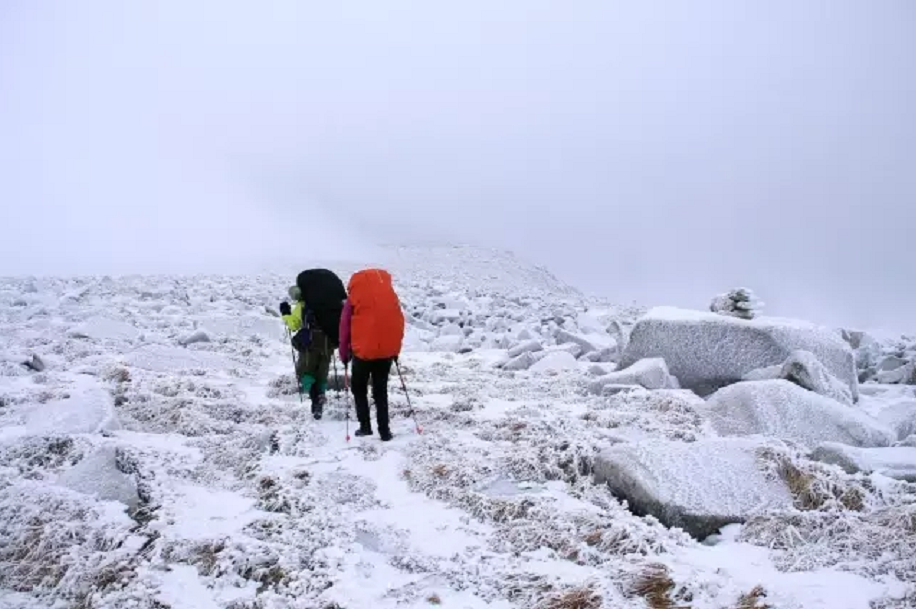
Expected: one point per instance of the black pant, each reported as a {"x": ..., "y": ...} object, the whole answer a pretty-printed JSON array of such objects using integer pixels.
[{"x": 378, "y": 369}]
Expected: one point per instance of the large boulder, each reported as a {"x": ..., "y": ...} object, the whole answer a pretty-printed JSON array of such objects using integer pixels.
[
  {"x": 98, "y": 475},
  {"x": 697, "y": 486},
  {"x": 564, "y": 336},
  {"x": 706, "y": 351},
  {"x": 805, "y": 370},
  {"x": 650, "y": 373},
  {"x": 894, "y": 461},
  {"x": 786, "y": 411},
  {"x": 88, "y": 410},
  {"x": 900, "y": 416},
  {"x": 529, "y": 346}
]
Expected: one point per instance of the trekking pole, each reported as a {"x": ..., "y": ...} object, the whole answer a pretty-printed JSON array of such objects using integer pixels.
[
  {"x": 347, "y": 390},
  {"x": 295, "y": 374},
  {"x": 407, "y": 395}
]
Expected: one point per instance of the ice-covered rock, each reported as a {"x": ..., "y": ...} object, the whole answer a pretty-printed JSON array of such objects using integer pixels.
[
  {"x": 597, "y": 370},
  {"x": 571, "y": 348},
  {"x": 786, "y": 411},
  {"x": 450, "y": 343},
  {"x": 103, "y": 328},
  {"x": 89, "y": 409},
  {"x": 904, "y": 375},
  {"x": 804, "y": 369},
  {"x": 564, "y": 336},
  {"x": 520, "y": 362},
  {"x": 900, "y": 416},
  {"x": 698, "y": 486},
  {"x": 651, "y": 373},
  {"x": 893, "y": 461},
  {"x": 706, "y": 351},
  {"x": 34, "y": 363},
  {"x": 891, "y": 362},
  {"x": 198, "y": 336},
  {"x": 528, "y": 346},
  {"x": 555, "y": 361},
  {"x": 97, "y": 474}
]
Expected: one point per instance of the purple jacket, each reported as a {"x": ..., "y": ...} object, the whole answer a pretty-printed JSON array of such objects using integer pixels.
[{"x": 345, "y": 316}]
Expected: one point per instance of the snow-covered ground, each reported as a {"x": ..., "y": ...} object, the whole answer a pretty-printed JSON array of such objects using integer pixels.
[{"x": 159, "y": 458}]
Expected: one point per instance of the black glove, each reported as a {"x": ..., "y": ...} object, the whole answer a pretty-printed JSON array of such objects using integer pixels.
[{"x": 285, "y": 308}]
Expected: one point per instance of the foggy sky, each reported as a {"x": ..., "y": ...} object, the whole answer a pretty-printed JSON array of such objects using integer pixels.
[{"x": 653, "y": 151}]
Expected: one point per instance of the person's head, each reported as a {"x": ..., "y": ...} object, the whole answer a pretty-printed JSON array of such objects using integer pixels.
[{"x": 295, "y": 293}]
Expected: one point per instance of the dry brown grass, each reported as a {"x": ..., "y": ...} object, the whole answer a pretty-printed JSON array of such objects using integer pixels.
[
  {"x": 655, "y": 585},
  {"x": 810, "y": 493},
  {"x": 752, "y": 599},
  {"x": 440, "y": 470},
  {"x": 434, "y": 600},
  {"x": 581, "y": 597}
]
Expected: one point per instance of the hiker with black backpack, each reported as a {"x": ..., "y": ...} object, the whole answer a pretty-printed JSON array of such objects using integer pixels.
[
  {"x": 314, "y": 324},
  {"x": 371, "y": 334}
]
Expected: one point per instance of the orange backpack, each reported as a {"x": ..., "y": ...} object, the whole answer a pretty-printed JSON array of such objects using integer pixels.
[{"x": 377, "y": 325}]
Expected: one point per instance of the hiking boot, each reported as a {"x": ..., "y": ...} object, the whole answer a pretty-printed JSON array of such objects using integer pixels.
[
  {"x": 363, "y": 431},
  {"x": 385, "y": 435},
  {"x": 318, "y": 406}
]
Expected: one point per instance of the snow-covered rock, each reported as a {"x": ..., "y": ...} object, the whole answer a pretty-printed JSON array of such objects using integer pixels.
[
  {"x": 555, "y": 361},
  {"x": 900, "y": 416},
  {"x": 89, "y": 409},
  {"x": 528, "y": 346},
  {"x": 450, "y": 343},
  {"x": 571, "y": 348},
  {"x": 520, "y": 362},
  {"x": 199, "y": 336},
  {"x": 103, "y": 328},
  {"x": 651, "y": 373},
  {"x": 893, "y": 461},
  {"x": 770, "y": 373},
  {"x": 804, "y": 369},
  {"x": 706, "y": 351},
  {"x": 697, "y": 486},
  {"x": 564, "y": 336},
  {"x": 97, "y": 474},
  {"x": 786, "y": 411}
]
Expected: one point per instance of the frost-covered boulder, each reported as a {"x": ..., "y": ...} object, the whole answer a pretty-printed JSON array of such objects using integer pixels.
[
  {"x": 97, "y": 474},
  {"x": 89, "y": 409},
  {"x": 893, "y": 461},
  {"x": 786, "y": 411},
  {"x": 900, "y": 416},
  {"x": 904, "y": 375},
  {"x": 520, "y": 362},
  {"x": 706, "y": 351},
  {"x": 528, "y": 346},
  {"x": 564, "y": 336},
  {"x": 555, "y": 361},
  {"x": 804, "y": 369},
  {"x": 650, "y": 373},
  {"x": 698, "y": 486}
]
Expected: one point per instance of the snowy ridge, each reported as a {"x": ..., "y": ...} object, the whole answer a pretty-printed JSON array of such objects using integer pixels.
[{"x": 176, "y": 477}]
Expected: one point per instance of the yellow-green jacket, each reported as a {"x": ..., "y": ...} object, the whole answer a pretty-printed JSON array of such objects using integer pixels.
[{"x": 293, "y": 321}]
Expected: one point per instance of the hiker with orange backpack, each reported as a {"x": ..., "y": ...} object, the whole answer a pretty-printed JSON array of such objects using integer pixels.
[{"x": 371, "y": 335}]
